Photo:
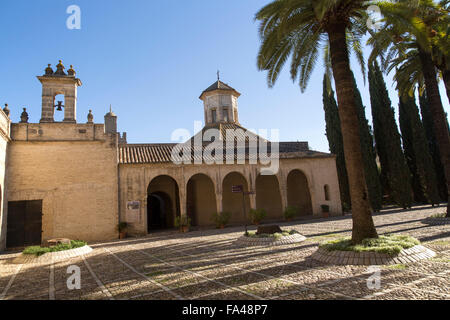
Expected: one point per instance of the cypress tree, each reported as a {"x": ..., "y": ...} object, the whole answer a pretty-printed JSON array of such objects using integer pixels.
[
  {"x": 335, "y": 141},
  {"x": 432, "y": 145},
  {"x": 369, "y": 157},
  {"x": 408, "y": 149},
  {"x": 418, "y": 154},
  {"x": 392, "y": 160}
]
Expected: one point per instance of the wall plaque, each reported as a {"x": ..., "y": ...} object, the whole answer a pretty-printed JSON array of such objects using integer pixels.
[{"x": 133, "y": 212}]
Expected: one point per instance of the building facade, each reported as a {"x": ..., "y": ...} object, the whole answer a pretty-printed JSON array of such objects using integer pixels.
[{"x": 79, "y": 180}]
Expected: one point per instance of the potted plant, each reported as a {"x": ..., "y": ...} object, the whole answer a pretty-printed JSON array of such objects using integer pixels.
[
  {"x": 221, "y": 219},
  {"x": 325, "y": 210},
  {"x": 122, "y": 228},
  {"x": 183, "y": 222},
  {"x": 257, "y": 215},
  {"x": 290, "y": 212}
]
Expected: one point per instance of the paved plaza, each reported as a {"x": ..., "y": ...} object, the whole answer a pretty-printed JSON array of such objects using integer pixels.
[{"x": 208, "y": 265}]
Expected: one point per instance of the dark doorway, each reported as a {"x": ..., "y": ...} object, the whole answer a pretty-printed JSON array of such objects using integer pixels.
[
  {"x": 232, "y": 202},
  {"x": 298, "y": 192},
  {"x": 163, "y": 203},
  {"x": 24, "y": 223},
  {"x": 157, "y": 206},
  {"x": 268, "y": 196},
  {"x": 200, "y": 200}
]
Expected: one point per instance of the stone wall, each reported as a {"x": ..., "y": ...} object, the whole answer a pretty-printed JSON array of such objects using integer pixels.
[
  {"x": 4, "y": 140},
  {"x": 73, "y": 169}
]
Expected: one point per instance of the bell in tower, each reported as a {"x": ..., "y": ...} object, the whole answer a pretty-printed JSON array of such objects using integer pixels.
[{"x": 55, "y": 83}]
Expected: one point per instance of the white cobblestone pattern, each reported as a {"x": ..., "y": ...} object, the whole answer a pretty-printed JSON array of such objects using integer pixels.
[
  {"x": 369, "y": 258},
  {"x": 51, "y": 257},
  {"x": 269, "y": 241}
]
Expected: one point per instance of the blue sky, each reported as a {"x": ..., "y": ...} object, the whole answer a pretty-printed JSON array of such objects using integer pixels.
[{"x": 151, "y": 60}]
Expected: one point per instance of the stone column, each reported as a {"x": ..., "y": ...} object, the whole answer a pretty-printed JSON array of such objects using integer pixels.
[
  {"x": 282, "y": 182},
  {"x": 251, "y": 177},
  {"x": 183, "y": 198},
  {"x": 48, "y": 110},
  {"x": 252, "y": 201},
  {"x": 219, "y": 202},
  {"x": 143, "y": 218},
  {"x": 70, "y": 105}
]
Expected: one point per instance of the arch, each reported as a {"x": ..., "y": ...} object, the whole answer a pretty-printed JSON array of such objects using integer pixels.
[
  {"x": 268, "y": 196},
  {"x": 59, "y": 96},
  {"x": 163, "y": 203},
  {"x": 298, "y": 192},
  {"x": 232, "y": 202},
  {"x": 326, "y": 192},
  {"x": 200, "y": 199}
]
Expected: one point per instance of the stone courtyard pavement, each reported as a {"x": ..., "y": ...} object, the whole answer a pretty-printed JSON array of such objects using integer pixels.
[{"x": 207, "y": 265}]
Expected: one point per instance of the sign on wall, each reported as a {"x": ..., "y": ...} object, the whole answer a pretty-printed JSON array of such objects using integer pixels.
[
  {"x": 237, "y": 189},
  {"x": 133, "y": 211}
]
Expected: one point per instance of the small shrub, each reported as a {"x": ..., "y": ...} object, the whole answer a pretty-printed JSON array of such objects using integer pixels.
[
  {"x": 290, "y": 212},
  {"x": 221, "y": 219},
  {"x": 346, "y": 207},
  {"x": 182, "y": 221},
  {"x": 257, "y": 215},
  {"x": 38, "y": 250},
  {"x": 325, "y": 208},
  {"x": 278, "y": 235},
  {"x": 122, "y": 226}
]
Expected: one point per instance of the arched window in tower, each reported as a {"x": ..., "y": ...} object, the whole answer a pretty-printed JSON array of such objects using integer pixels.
[
  {"x": 59, "y": 103},
  {"x": 326, "y": 190},
  {"x": 213, "y": 116}
]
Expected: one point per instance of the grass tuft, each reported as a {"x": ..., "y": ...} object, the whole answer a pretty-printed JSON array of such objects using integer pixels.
[
  {"x": 389, "y": 244},
  {"x": 38, "y": 250},
  {"x": 277, "y": 235},
  {"x": 397, "y": 266},
  {"x": 438, "y": 215}
]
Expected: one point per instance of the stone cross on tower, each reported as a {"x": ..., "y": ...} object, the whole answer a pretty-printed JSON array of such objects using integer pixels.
[{"x": 59, "y": 82}]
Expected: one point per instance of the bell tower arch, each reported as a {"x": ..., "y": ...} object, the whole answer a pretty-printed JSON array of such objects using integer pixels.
[{"x": 55, "y": 83}]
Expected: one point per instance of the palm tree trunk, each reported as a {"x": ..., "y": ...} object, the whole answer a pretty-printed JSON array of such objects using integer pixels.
[
  {"x": 363, "y": 226},
  {"x": 437, "y": 112}
]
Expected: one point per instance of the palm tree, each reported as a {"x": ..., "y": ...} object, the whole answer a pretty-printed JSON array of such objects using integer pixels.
[
  {"x": 405, "y": 52},
  {"x": 298, "y": 28},
  {"x": 406, "y": 39},
  {"x": 440, "y": 31}
]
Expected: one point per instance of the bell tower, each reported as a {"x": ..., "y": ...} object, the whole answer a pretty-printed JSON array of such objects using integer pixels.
[
  {"x": 59, "y": 82},
  {"x": 220, "y": 103}
]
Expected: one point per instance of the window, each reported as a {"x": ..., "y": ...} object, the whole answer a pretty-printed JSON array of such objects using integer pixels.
[
  {"x": 224, "y": 100},
  {"x": 213, "y": 116},
  {"x": 225, "y": 114},
  {"x": 326, "y": 190}
]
